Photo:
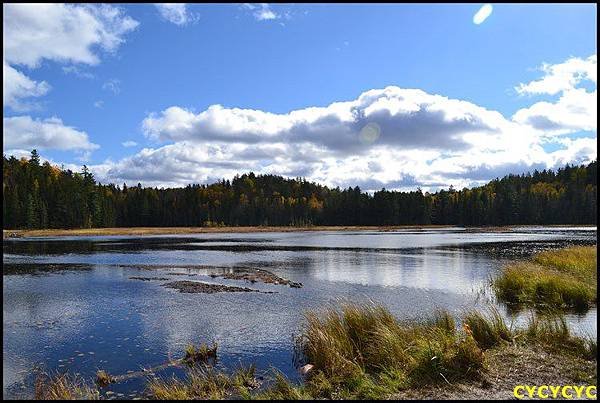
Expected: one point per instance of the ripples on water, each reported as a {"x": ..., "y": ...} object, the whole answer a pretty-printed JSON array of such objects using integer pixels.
[{"x": 70, "y": 305}]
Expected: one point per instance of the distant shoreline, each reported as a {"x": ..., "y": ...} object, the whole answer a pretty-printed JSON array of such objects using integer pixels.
[{"x": 21, "y": 233}]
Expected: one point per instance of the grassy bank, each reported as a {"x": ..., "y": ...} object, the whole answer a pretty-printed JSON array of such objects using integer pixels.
[
  {"x": 356, "y": 352},
  {"x": 565, "y": 278},
  {"x": 18, "y": 233},
  {"x": 364, "y": 352}
]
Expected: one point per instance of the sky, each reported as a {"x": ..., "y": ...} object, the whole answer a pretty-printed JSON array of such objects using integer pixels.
[{"x": 388, "y": 96}]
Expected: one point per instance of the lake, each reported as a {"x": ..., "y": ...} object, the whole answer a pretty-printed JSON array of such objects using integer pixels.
[{"x": 71, "y": 304}]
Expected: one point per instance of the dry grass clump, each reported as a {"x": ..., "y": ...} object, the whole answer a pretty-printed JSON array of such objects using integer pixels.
[
  {"x": 358, "y": 349},
  {"x": 488, "y": 331},
  {"x": 63, "y": 387},
  {"x": 204, "y": 383},
  {"x": 103, "y": 378},
  {"x": 552, "y": 332}
]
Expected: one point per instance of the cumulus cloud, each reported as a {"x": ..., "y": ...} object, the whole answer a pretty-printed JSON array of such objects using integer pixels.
[
  {"x": 177, "y": 13},
  {"x": 561, "y": 77},
  {"x": 23, "y": 132},
  {"x": 62, "y": 32},
  {"x": 129, "y": 143},
  {"x": 396, "y": 138},
  {"x": 392, "y": 137},
  {"x": 576, "y": 151},
  {"x": 17, "y": 87},
  {"x": 408, "y": 118},
  {"x": 576, "y": 108}
]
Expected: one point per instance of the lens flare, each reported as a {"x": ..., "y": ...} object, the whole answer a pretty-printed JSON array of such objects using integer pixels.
[
  {"x": 370, "y": 133},
  {"x": 481, "y": 15}
]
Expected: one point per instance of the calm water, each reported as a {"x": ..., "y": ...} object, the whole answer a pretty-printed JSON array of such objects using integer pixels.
[{"x": 70, "y": 305}]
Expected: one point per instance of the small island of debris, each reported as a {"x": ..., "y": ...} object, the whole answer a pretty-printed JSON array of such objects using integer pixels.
[{"x": 206, "y": 288}]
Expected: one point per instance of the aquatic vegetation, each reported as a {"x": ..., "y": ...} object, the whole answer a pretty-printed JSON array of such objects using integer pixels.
[
  {"x": 103, "y": 378},
  {"x": 552, "y": 332},
  {"x": 202, "y": 354},
  {"x": 63, "y": 387},
  {"x": 554, "y": 279},
  {"x": 364, "y": 352},
  {"x": 204, "y": 383}
]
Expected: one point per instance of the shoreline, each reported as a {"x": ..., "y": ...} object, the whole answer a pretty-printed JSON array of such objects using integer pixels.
[{"x": 43, "y": 233}]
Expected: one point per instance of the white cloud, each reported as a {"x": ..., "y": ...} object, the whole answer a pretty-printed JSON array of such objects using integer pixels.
[
  {"x": 484, "y": 12},
  {"x": 23, "y": 132},
  {"x": 408, "y": 118},
  {"x": 77, "y": 72},
  {"x": 17, "y": 87},
  {"x": 577, "y": 151},
  {"x": 62, "y": 32},
  {"x": 576, "y": 108},
  {"x": 129, "y": 143},
  {"x": 262, "y": 11},
  {"x": 99, "y": 104},
  {"x": 392, "y": 137},
  {"x": 113, "y": 85},
  {"x": 177, "y": 13},
  {"x": 561, "y": 77}
]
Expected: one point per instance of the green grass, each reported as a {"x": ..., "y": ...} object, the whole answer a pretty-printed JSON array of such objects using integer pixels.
[{"x": 565, "y": 278}]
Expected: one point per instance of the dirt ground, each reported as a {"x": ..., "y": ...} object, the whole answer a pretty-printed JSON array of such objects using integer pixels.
[{"x": 511, "y": 366}]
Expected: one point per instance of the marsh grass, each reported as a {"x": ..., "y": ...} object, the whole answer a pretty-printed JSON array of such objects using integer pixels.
[
  {"x": 565, "y": 278},
  {"x": 552, "y": 332},
  {"x": 488, "y": 330},
  {"x": 364, "y": 352},
  {"x": 63, "y": 387},
  {"x": 204, "y": 383},
  {"x": 200, "y": 354},
  {"x": 103, "y": 378}
]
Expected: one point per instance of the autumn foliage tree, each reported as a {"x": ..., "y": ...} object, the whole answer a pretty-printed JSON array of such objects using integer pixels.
[{"x": 43, "y": 196}]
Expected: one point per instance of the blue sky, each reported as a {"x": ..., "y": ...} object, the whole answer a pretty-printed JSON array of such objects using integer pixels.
[{"x": 144, "y": 78}]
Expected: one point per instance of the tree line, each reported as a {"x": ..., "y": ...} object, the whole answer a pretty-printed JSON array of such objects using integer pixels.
[{"x": 39, "y": 195}]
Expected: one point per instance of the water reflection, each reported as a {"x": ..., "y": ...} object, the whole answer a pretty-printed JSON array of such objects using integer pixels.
[{"x": 71, "y": 305}]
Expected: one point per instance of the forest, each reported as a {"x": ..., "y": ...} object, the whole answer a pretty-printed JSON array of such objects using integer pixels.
[{"x": 38, "y": 196}]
